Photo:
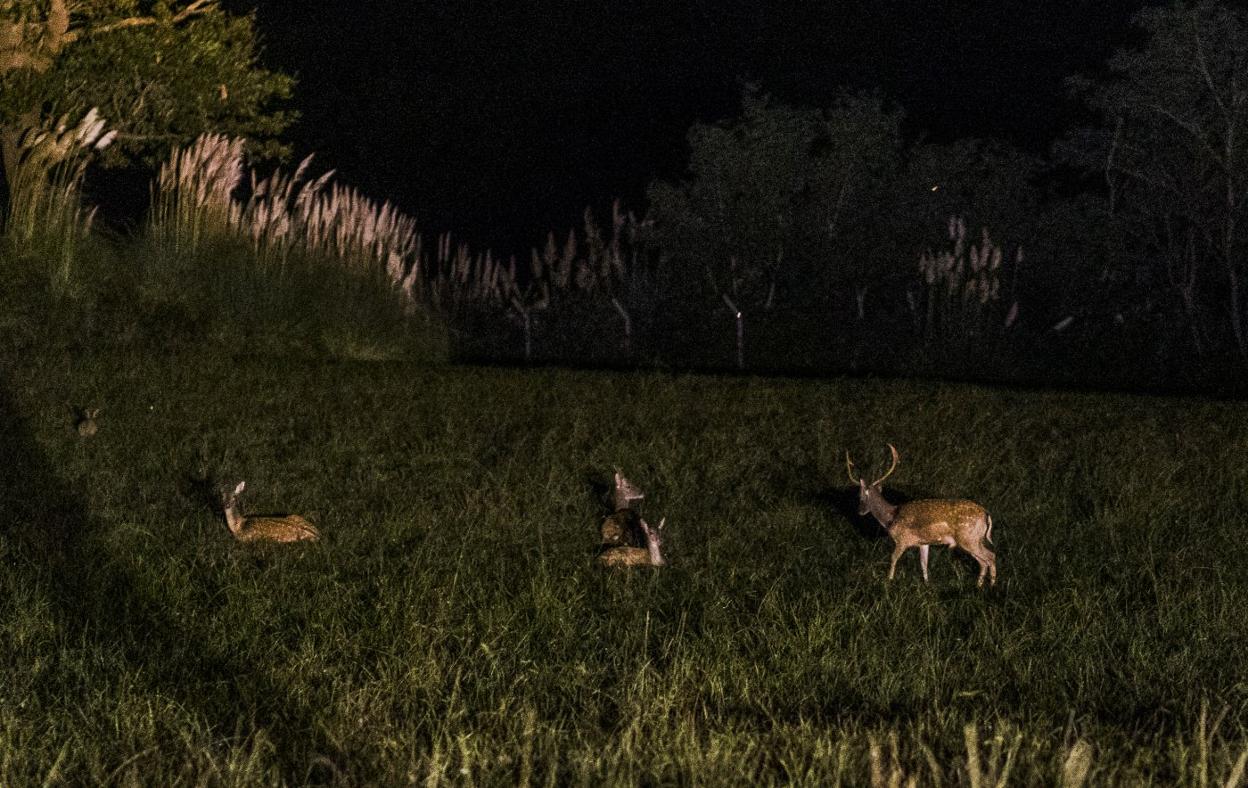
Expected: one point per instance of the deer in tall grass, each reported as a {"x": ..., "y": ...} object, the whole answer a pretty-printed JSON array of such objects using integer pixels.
[
  {"x": 264, "y": 528},
  {"x": 623, "y": 526},
  {"x": 627, "y": 539},
  {"x": 86, "y": 422},
  {"x": 925, "y": 522},
  {"x": 650, "y": 555}
]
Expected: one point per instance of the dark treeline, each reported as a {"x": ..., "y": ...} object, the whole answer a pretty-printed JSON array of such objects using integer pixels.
[
  {"x": 821, "y": 239},
  {"x": 800, "y": 239}
]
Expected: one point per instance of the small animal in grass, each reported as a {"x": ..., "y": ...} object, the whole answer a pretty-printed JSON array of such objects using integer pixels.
[
  {"x": 925, "y": 522},
  {"x": 625, "y": 556},
  {"x": 264, "y": 528},
  {"x": 623, "y": 526},
  {"x": 85, "y": 423}
]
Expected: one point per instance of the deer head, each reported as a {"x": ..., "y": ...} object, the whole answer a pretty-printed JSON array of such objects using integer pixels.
[
  {"x": 229, "y": 505},
  {"x": 870, "y": 499},
  {"x": 654, "y": 541},
  {"x": 624, "y": 493}
]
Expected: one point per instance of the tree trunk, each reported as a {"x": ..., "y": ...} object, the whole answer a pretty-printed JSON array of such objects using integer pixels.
[
  {"x": 740, "y": 320},
  {"x": 1228, "y": 247},
  {"x": 628, "y": 327}
]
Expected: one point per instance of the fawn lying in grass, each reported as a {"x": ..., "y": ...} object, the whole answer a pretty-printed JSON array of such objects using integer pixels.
[
  {"x": 650, "y": 555},
  {"x": 957, "y": 523},
  {"x": 85, "y": 421},
  {"x": 264, "y": 528},
  {"x": 623, "y": 525},
  {"x": 627, "y": 539}
]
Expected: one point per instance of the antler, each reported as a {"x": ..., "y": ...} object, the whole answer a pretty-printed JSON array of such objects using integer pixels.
[
  {"x": 849, "y": 467},
  {"x": 892, "y": 468}
]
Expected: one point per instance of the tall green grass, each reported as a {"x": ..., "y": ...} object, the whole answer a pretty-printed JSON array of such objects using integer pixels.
[
  {"x": 284, "y": 262},
  {"x": 44, "y": 221},
  {"x": 451, "y": 628}
]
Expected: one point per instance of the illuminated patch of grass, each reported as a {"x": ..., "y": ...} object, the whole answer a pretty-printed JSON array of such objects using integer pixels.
[{"x": 451, "y": 626}]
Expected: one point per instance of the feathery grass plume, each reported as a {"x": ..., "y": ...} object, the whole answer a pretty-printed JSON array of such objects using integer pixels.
[
  {"x": 596, "y": 274},
  {"x": 286, "y": 213},
  {"x": 286, "y": 247},
  {"x": 454, "y": 279},
  {"x": 193, "y": 197},
  {"x": 45, "y": 215},
  {"x": 581, "y": 273},
  {"x": 283, "y": 214},
  {"x": 959, "y": 296}
]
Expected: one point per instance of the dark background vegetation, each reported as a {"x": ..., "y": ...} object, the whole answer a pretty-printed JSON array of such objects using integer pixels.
[
  {"x": 500, "y": 122},
  {"x": 1001, "y": 192}
]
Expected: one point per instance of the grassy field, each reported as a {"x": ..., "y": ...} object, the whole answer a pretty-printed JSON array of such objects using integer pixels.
[{"x": 451, "y": 627}]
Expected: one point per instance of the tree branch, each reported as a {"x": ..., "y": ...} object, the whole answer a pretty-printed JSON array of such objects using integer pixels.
[
  {"x": 1204, "y": 68},
  {"x": 196, "y": 8},
  {"x": 14, "y": 59},
  {"x": 1191, "y": 128}
]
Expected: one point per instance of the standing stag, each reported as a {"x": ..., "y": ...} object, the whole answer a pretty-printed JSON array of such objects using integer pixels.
[{"x": 922, "y": 523}]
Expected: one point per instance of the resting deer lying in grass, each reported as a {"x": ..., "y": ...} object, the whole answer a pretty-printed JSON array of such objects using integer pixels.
[
  {"x": 623, "y": 525},
  {"x": 85, "y": 423},
  {"x": 650, "y": 555},
  {"x": 264, "y": 528},
  {"x": 957, "y": 523}
]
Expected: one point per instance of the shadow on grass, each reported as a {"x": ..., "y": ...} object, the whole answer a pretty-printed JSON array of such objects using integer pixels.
[{"x": 56, "y": 547}]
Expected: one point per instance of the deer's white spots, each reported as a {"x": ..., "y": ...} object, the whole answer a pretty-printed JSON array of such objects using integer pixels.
[{"x": 952, "y": 522}]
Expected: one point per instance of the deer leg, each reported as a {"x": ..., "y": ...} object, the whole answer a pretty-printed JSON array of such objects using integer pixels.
[
  {"x": 897, "y": 551},
  {"x": 983, "y": 561},
  {"x": 991, "y": 558},
  {"x": 923, "y": 559},
  {"x": 974, "y": 551},
  {"x": 987, "y": 563}
]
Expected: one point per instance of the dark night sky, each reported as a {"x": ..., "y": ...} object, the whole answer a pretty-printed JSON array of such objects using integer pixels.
[{"x": 502, "y": 120}]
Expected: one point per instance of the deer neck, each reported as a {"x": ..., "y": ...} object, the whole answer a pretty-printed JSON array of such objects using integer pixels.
[
  {"x": 882, "y": 511},
  {"x": 622, "y": 502},
  {"x": 234, "y": 518},
  {"x": 656, "y": 557}
]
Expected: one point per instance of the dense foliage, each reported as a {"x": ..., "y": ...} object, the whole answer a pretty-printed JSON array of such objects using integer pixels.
[{"x": 160, "y": 73}]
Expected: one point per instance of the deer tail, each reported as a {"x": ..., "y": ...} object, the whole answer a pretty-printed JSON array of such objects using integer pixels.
[{"x": 988, "y": 535}]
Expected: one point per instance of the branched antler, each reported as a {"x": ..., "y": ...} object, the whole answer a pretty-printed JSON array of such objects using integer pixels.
[{"x": 849, "y": 466}]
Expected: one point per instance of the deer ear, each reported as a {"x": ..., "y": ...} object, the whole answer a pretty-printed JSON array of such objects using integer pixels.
[
  {"x": 239, "y": 489},
  {"x": 662, "y": 522}
]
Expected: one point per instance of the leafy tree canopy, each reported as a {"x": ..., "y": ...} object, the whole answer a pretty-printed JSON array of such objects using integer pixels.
[
  {"x": 1173, "y": 152},
  {"x": 161, "y": 72},
  {"x": 775, "y": 192}
]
